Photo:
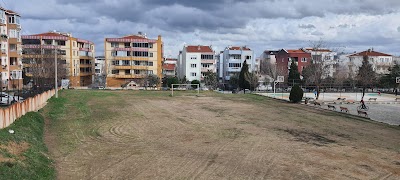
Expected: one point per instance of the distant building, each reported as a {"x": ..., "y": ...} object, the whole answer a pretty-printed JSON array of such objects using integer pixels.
[
  {"x": 327, "y": 57},
  {"x": 269, "y": 56},
  {"x": 75, "y": 57},
  {"x": 284, "y": 59},
  {"x": 195, "y": 61},
  {"x": 130, "y": 59},
  {"x": 169, "y": 67},
  {"x": 99, "y": 65},
  {"x": 11, "y": 50},
  {"x": 231, "y": 61},
  {"x": 381, "y": 62}
]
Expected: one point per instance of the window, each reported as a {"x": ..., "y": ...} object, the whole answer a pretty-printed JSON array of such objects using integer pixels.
[
  {"x": 114, "y": 44},
  {"x": 235, "y": 65},
  {"x": 74, "y": 44},
  {"x": 12, "y": 33},
  {"x": 150, "y": 54},
  {"x": 236, "y": 56},
  {"x": 114, "y": 53},
  {"x": 60, "y": 43},
  {"x": 127, "y": 45},
  {"x": 141, "y": 45},
  {"x": 150, "y": 45},
  {"x": 327, "y": 57},
  {"x": 193, "y": 74},
  {"x": 113, "y": 62},
  {"x": 150, "y": 72},
  {"x": 303, "y": 59},
  {"x": 207, "y": 56},
  {"x": 114, "y": 71},
  {"x": 150, "y": 63},
  {"x": 193, "y": 65},
  {"x": 193, "y": 57},
  {"x": 248, "y": 57},
  {"x": 204, "y": 65},
  {"x": 127, "y": 72},
  {"x": 125, "y": 63},
  {"x": 13, "y": 47},
  {"x": 140, "y": 54},
  {"x": 97, "y": 70}
]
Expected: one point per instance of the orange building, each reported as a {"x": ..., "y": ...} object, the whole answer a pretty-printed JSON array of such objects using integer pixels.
[
  {"x": 131, "y": 59},
  {"x": 76, "y": 56}
]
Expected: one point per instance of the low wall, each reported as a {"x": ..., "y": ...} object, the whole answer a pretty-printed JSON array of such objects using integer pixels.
[{"x": 11, "y": 113}]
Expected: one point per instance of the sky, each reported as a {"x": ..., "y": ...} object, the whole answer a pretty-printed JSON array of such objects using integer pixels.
[{"x": 344, "y": 25}]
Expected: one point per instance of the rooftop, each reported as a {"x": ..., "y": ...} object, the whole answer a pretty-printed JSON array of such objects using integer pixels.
[
  {"x": 370, "y": 53},
  {"x": 239, "y": 48},
  {"x": 169, "y": 66},
  {"x": 199, "y": 49}
]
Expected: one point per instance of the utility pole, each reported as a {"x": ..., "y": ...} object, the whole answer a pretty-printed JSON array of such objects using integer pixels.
[{"x": 55, "y": 66}]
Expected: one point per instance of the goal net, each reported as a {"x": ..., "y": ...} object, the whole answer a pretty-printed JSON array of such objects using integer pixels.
[{"x": 185, "y": 89}]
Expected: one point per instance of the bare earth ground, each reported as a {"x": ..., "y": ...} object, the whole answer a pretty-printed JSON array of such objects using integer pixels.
[{"x": 127, "y": 135}]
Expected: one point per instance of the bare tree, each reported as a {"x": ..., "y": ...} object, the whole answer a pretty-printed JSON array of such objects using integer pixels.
[
  {"x": 271, "y": 70},
  {"x": 340, "y": 75},
  {"x": 366, "y": 76}
]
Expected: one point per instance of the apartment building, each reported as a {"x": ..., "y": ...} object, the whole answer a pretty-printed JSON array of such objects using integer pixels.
[
  {"x": 99, "y": 65},
  {"x": 169, "y": 67},
  {"x": 380, "y": 62},
  {"x": 285, "y": 57},
  {"x": 325, "y": 56},
  {"x": 11, "y": 51},
  {"x": 131, "y": 58},
  {"x": 195, "y": 61},
  {"x": 231, "y": 61},
  {"x": 75, "y": 57}
]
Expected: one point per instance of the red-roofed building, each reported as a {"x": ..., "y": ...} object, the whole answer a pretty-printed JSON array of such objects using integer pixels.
[
  {"x": 284, "y": 59},
  {"x": 381, "y": 62},
  {"x": 11, "y": 50},
  {"x": 131, "y": 58},
  {"x": 76, "y": 57},
  {"x": 195, "y": 61}
]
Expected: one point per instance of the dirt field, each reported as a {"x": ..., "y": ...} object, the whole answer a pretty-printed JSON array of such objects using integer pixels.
[{"x": 148, "y": 135}]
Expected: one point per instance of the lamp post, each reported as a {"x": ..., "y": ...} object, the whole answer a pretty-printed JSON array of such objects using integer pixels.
[{"x": 55, "y": 74}]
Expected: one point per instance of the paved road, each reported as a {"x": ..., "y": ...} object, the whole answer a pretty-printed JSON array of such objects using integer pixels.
[{"x": 383, "y": 110}]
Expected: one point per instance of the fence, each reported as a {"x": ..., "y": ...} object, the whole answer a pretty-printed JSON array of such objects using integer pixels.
[{"x": 11, "y": 113}]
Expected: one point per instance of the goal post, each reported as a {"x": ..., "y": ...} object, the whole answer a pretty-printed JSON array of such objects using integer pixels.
[{"x": 185, "y": 85}]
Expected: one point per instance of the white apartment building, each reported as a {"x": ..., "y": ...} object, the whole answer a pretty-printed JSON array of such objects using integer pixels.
[
  {"x": 326, "y": 56},
  {"x": 195, "y": 61},
  {"x": 381, "y": 62},
  {"x": 232, "y": 59},
  {"x": 99, "y": 65}
]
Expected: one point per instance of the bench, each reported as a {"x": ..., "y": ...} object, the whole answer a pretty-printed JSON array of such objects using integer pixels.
[
  {"x": 345, "y": 109},
  {"x": 350, "y": 102},
  {"x": 317, "y": 103},
  {"x": 343, "y": 99},
  {"x": 397, "y": 99},
  {"x": 362, "y": 112},
  {"x": 331, "y": 107},
  {"x": 370, "y": 99}
]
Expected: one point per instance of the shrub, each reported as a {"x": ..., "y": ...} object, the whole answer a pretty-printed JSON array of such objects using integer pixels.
[
  {"x": 195, "y": 82},
  {"x": 296, "y": 94}
]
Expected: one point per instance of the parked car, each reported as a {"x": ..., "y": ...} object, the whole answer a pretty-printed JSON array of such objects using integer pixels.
[{"x": 9, "y": 99}]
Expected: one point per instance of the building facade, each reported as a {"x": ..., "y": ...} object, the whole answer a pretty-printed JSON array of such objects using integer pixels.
[
  {"x": 232, "y": 59},
  {"x": 195, "y": 61},
  {"x": 132, "y": 58},
  {"x": 99, "y": 65},
  {"x": 11, "y": 50},
  {"x": 285, "y": 57},
  {"x": 169, "y": 67},
  {"x": 380, "y": 62},
  {"x": 75, "y": 57},
  {"x": 329, "y": 59}
]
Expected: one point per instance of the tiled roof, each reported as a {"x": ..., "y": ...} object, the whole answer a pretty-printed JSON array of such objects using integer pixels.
[
  {"x": 50, "y": 34},
  {"x": 370, "y": 53},
  {"x": 295, "y": 51},
  {"x": 11, "y": 12},
  {"x": 171, "y": 59},
  {"x": 199, "y": 49},
  {"x": 169, "y": 66},
  {"x": 239, "y": 48},
  {"x": 134, "y": 37}
]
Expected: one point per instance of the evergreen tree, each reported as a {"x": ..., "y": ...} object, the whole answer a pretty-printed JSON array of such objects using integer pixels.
[
  {"x": 366, "y": 76},
  {"x": 243, "y": 83},
  {"x": 194, "y": 82},
  {"x": 294, "y": 75},
  {"x": 296, "y": 94}
]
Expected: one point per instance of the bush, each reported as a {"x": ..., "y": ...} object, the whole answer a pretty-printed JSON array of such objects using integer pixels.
[
  {"x": 195, "y": 82},
  {"x": 296, "y": 94}
]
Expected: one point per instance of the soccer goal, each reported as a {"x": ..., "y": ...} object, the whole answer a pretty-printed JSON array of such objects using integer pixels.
[{"x": 185, "y": 88}]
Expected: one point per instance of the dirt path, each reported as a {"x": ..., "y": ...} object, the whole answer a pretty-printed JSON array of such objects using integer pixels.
[{"x": 224, "y": 138}]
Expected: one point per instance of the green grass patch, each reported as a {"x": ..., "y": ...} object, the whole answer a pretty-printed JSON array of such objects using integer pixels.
[{"x": 23, "y": 155}]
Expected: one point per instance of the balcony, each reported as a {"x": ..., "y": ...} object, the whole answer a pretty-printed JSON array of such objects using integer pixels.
[
  {"x": 130, "y": 76},
  {"x": 86, "y": 73},
  {"x": 207, "y": 61},
  {"x": 122, "y": 67},
  {"x": 85, "y": 65}
]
